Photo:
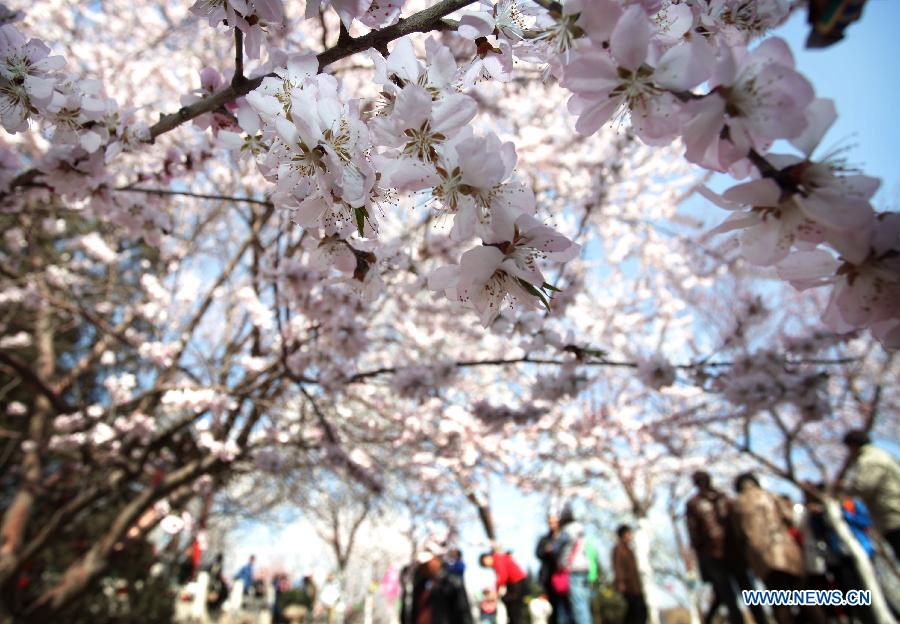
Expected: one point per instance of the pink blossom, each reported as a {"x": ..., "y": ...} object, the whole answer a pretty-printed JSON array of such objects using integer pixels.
[
  {"x": 382, "y": 13},
  {"x": 603, "y": 82},
  {"x": 737, "y": 21},
  {"x": 822, "y": 203},
  {"x": 487, "y": 274},
  {"x": 27, "y": 77},
  {"x": 249, "y": 16},
  {"x": 347, "y": 9},
  {"x": 419, "y": 125},
  {"x": 437, "y": 74},
  {"x": 656, "y": 372},
  {"x": 758, "y": 97},
  {"x": 503, "y": 18},
  {"x": 490, "y": 63}
]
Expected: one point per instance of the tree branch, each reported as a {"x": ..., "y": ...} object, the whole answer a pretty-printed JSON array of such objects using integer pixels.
[
  {"x": 238, "y": 77},
  {"x": 387, "y": 370},
  {"x": 150, "y": 191},
  {"x": 423, "y": 21},
  {"x": 34, "y": 380}
]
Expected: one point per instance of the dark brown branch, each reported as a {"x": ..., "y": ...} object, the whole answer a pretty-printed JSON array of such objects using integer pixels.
[
  {"x": 238, "y": 77},
  {"x": 423, "y": 21},
  {"x": 150, "y": 191},
  {"x": 387, "y": 370},
  {"x": 344, "y": 35},
  {"x": 34, "y": 380}
]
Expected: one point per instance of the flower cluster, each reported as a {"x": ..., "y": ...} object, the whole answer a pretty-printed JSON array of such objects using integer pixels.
[
  {"x": 810, "y": 217},
  {"x": 251, "y": 17},
  {"x": 78, "y": 117},
  {"x": 372, "y": 13},
  {"x": 332, "y": 165}
]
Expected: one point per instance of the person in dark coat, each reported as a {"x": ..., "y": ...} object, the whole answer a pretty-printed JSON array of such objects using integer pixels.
[
  {"x": 217, "y": 593},
  {"x": 439, "y": 597},
  {"x": 546, "y": 554},
  {"x": 409, "y": 580},
  {"x": 186, "y": 567},
  {"x": 628, "y": 579},
  {"x": 719, "y": 556}
]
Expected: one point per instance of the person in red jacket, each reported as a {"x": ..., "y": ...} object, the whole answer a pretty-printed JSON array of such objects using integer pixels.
[{"x": 511, "y": 577}]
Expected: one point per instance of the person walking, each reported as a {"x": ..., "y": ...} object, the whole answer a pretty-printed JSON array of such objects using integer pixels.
[
  {"x": 572, "y": 561},
  {"x": 510, "y": 583},
  {"x": 186, "y": 566},
  {"x": 279, "y": 586},
  {"x": 545, "y": 553},
  {"x": 764, "y": 524},
  {"x": 330, "y": 597},
  {"x": 719, "y": 558},
  {"x": 410, "y": 579},
  {"x": 828, "y": 561},
  {"x": 439, "y": 597},
  {"x": 875, "y": 478},
  {"x": 627, "y": 577},
  {"x": 308, "y": 594},
  {"x": 245, "y": 574},
  {"x": 217, "y": 592}
]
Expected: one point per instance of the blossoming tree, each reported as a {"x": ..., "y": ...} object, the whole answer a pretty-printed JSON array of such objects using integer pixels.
[{"x": 304, "y": 241}]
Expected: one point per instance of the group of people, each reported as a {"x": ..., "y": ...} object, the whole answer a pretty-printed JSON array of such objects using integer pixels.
[
  {"x": 570, "y": 566},
  {"x": 755, "y": 535},
  {"x": 433, "y": 591},
  {"x": 759, "y": 533},
  {"x": 254, "y": 588}
]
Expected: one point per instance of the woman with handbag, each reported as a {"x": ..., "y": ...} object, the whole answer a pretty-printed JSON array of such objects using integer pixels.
[
  {"x": 546, "y": 554},
  {"x": 571, "y": 577}
]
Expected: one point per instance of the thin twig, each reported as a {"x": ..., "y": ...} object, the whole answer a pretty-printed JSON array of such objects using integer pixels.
[{"x": 150, "y": 191}]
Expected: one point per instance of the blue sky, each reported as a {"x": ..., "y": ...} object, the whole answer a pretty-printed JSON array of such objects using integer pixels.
[{"x": 858, "y": 74}]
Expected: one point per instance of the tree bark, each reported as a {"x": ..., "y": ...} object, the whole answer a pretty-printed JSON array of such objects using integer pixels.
[
  {"x": 642, "y": 533},
  {"x": 16, "y": 519},
  {"x": 95, "y": 561},
  {"x": 484, "y": 515}
]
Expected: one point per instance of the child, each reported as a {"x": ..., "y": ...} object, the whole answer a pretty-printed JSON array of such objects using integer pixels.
[
  {"x": 540, "y": 610},
  {"x": 488, "y": 607}
]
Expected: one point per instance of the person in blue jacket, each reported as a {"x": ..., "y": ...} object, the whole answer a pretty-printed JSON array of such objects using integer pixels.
[{"x": 245, "y": 574}]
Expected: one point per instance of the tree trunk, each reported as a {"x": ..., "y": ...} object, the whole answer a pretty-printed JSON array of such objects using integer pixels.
[
  {"x": 864, "y": 566},
  {"x": 484, "y": 514},
  {"x": 18, "y": 515},
  {"x": 690, "y": 583},
  {"x": 642, "y": 535}
]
